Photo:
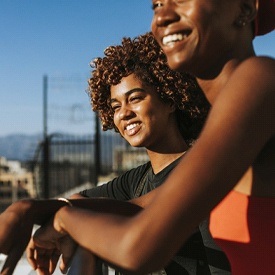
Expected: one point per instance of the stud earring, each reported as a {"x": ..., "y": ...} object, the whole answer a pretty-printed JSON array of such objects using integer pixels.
[{"x": 241, "y": 22}]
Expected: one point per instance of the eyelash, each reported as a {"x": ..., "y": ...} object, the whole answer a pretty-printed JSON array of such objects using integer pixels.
[
  {"x": 135, "y": 98},
  {"x": 115, "y": 107},
  {"x": 160, "y": 4},
  {"x": 156, "y": 5}
]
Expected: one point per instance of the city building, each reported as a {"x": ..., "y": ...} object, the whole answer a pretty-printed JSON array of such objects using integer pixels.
[{"x": 15, "y": 183}]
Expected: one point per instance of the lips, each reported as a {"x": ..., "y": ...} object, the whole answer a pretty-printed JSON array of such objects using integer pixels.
[
  {"x": 131, "y": 126},
  {"x": 171, "y": 39},
  {"x": 132, "y": 129}
]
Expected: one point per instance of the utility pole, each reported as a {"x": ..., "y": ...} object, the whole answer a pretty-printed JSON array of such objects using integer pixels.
[
  {"x": 45, "y": 105},
  {"x": 46, "y": 166}
]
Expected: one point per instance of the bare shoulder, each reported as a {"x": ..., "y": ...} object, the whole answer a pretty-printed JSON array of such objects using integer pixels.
[
  {"x": 253, "y": 79},
  {"x": 258, "y": 71},
  {"x": 249, "y": 93},
  {"x": 260, "y": 62}
]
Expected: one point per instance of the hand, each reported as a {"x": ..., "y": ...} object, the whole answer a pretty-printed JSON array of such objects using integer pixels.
[
  {"x": 42, "y": 259},
  {"x": 45, "y": 248},
  {"x": 15, "y": 231}
]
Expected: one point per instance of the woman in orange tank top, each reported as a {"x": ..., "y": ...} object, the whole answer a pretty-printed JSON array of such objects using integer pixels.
[
  {"x": 213, "y": 40},
  {"x": 235, "y": 153}
]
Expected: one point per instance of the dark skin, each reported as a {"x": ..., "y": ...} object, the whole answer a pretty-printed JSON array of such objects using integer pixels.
[
  {"x": 235, "y": 82},
  {"x": 17, "y": 223},
  {"x": 140, "y": 107},
  {"x": 243, "y": 156},
  {"x": 133, "y": 102}
]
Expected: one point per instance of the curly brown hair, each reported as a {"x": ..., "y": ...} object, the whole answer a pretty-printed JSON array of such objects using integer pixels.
[{"x": 143, "y": 57}]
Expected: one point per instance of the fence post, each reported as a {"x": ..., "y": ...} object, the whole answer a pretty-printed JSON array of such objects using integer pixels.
[
  {"x": 46, "y": 167},
  {"x": 97, "y": 149},
  {"x": 46, "y": 139}
]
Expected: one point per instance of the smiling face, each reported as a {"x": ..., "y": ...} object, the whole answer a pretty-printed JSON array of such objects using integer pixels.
[
  {"x": 141, "y": 117},
  {"x": 196, "y": 35}
]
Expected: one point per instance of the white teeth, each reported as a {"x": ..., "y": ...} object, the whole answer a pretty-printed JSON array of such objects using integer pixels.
[
  {"x": 172, "y": 38},
  {"x": 131, "y": 126}
]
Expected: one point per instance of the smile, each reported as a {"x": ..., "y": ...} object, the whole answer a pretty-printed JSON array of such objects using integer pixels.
[
  {"x": 132, "y": 129},
  {"x": 131, "y": 126},
  {"x": 173, "y": 38}
]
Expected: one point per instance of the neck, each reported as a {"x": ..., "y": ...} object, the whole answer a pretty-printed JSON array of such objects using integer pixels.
[
  {"x": 212, "y": 87},
  {"x": 160, "y": 159}
]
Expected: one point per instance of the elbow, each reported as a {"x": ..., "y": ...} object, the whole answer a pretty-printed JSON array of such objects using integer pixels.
[
  {"x": 136, "y": 264},
  {"x": 139, "y": 257}
]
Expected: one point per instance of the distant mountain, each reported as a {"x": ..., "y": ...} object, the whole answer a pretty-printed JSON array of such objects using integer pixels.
[
  {"x": 22, "y": 147},
  {"x": 19, "y": 146}
]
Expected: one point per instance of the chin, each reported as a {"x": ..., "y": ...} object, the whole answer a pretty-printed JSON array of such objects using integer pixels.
[
  {"x": 181, "y": 61},
  {"x": 136, "y": 144},
  {"x": 177, "y": 63}
]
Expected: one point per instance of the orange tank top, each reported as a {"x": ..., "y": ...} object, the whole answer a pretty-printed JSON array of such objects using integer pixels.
[{"x": 244, "y": 227}]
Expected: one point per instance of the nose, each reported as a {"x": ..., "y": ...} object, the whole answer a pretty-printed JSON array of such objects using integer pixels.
[
  {"x": 125, "y": 112},
  {"x": 165, "y": 15}
]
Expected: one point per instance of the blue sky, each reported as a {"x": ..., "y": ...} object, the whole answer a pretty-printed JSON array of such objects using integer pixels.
[{"x": 59, "y": 38}]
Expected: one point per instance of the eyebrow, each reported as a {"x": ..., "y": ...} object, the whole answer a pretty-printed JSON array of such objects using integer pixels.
[{"x": 128, "y": 93}]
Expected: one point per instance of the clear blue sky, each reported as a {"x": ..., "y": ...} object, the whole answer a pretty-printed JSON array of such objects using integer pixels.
[{"x": 59, "y": 38}]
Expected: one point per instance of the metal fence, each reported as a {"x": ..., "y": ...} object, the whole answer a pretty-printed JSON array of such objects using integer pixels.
[
  {"x": 61, "y": 163},
  {"x": 65, "y": 162}
]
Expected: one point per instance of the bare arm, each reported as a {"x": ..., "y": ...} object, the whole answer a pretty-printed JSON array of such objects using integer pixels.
[
  {"x": 18, "y": 219},
  {"x": 241, "y": 123},
  {"x": 43, "y": 251}
]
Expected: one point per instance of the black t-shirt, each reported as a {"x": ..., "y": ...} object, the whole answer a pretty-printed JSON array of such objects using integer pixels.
[
  {"x": 124, "y": 186},
  {"x": 191, "y": 258},
  {"x": 121, "y": 187}
]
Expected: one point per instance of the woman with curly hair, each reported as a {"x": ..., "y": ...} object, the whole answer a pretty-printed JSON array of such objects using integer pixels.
[
  {"x": 143, "y": 57},
  {"x": 229, "y": 173},
  {"x": 135, "y": 93}
]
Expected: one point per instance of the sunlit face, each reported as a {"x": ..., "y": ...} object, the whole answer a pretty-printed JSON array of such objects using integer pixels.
[
  {"x": 195, "y": 34},
  {"x": 139, "y": 114}
]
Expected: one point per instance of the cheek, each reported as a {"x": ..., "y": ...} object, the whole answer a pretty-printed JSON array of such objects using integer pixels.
[
  {"x": 115, "y": 119},
  {"x": 158, "y": 115},
  {"x": 154, "y": 30},
  {"x": 153, "y": 26}
]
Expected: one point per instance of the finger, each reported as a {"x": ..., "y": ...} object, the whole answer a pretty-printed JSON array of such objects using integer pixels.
[
  {"x": 67, "y": 247},
  {"x": 65, "y": 263},
  {"x": 46, "y": 260},
  {"x": 30, "y": 253},
  {"x": 12, "y": 260},
  {"x": 63, "y": 266},
  {"x": 54, "y": 260},
  {"x": 42, "y": 271}
]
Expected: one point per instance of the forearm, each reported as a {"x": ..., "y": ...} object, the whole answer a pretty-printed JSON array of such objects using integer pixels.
[
  {"x": 108, "y": 234},
  {"x": 39, "y": 211}
]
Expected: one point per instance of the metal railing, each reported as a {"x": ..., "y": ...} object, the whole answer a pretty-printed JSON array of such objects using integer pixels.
[{"x": 64, "y": 162}]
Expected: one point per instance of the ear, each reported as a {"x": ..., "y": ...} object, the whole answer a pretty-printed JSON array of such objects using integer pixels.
[
  {"x": 172, "y": 106},
  {"x": 248, "y": 12}
]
